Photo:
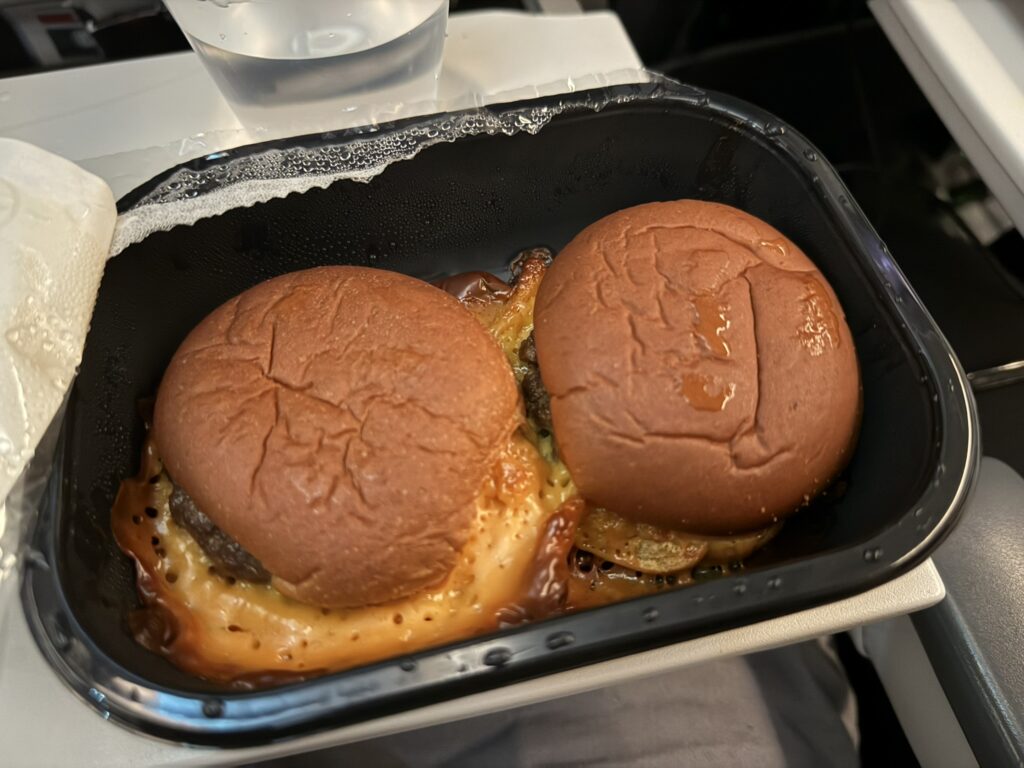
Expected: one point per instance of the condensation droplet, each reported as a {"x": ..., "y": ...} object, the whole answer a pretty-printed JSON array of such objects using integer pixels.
[
  {"x": 497, "y": 657},
  {"x": 873, "y": 555},
  {"x": 559, "y": 640},
  {"x": 213, "y": 708}
]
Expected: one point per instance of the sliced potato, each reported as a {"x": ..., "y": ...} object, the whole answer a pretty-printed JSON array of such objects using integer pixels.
[
  {"x": 730, "y": 549},
  {"x": 638, "y": 546},
  {"x": 652, "y": 549}
]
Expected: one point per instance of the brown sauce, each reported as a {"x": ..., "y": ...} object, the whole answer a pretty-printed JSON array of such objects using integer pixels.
[
  {"x": 547, "y": 590},
  {"x": 712, "y": 323},
  {"x": 707, "y": 393},
  {"x": 475, "y": 287}
]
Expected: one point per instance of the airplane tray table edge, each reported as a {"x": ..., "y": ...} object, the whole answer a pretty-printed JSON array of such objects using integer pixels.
[{"x": 972, "y": 638}]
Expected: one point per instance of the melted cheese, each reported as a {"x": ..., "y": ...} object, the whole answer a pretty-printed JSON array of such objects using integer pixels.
[{"x": 225, "y": 629}]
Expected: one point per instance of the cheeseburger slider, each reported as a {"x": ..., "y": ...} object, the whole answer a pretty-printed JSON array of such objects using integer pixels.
[
  {"x": 701, "y": 386},
  {"x": 335, "y": 474}
]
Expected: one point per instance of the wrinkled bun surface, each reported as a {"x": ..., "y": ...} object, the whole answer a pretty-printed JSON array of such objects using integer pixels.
[
  {"x": 701, "y": 372},
  {"x": 338, "y": 423}
]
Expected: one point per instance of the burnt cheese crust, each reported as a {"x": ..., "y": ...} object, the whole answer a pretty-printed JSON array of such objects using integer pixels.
[
  {"x": 702, "y": 376},
  {"x": 337, "y": 423}
]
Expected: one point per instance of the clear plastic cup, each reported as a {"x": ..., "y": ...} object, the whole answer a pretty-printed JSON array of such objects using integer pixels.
[{"x": 306, "y": 63}]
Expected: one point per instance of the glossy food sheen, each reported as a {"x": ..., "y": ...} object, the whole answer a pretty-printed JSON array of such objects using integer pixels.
[
  {"x": 701, "y": 372},
  {"x": 367, "y": 405}
]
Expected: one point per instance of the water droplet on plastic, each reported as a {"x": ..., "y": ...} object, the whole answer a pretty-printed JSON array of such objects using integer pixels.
[
  {"x": 650, "y": 615},
  {"x": 36, "y": 558},
  {"x": 559, "y": 640},
  {"x": 919, "y": 512},
  {"x": 6, "y": 446},
  {"x": 497, "y": 657},
  {"x": 78, "y": 210},
  {"x": 407, "y": 665},
  {"x": 213, "y": 708},
  {"x": 223, "y": 36},
  {"x": 739, "y": 589},
  {"x": 60, "y": 637},
  {"x": 775, "y": 583},
  {"x": 872, "y": 555},
  {"x": 810, "y": 154}
]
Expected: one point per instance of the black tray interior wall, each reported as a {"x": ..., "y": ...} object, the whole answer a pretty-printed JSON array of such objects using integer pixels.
[{"x": 468, "y": 205}]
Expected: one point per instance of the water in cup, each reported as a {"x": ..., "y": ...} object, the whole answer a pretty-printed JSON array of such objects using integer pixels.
[{"x": 306, "y": 63}]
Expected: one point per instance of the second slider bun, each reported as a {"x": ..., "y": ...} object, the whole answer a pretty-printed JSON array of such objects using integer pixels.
[
  {"x": 701, "y": 373},
  {"x": 338, "y": 423}
]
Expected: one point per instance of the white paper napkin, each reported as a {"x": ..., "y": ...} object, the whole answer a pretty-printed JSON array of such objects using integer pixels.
[{"x": 56, "y": 222}]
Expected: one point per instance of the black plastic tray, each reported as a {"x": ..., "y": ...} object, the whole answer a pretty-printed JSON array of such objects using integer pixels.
[{"x": 472, "y": 204}]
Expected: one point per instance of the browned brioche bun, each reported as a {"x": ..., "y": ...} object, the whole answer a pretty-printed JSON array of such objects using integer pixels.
[
  {"x": 701, "y": 372},
  {"x": 338, "y": 423}
]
